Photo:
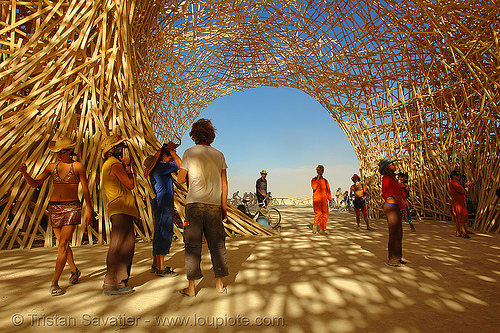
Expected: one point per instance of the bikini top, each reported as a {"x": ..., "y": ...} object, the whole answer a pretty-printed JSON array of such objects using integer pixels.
[{"x": 70, "y": 177}]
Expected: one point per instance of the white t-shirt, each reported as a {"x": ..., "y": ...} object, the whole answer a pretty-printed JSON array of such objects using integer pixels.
[{"x": 204, "y": 165}]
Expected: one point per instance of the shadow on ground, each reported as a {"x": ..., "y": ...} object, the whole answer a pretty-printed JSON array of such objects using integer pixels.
[{"x": 292, "y": 282}]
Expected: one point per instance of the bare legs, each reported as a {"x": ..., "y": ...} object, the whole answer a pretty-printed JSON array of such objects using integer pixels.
[
  {"x": 365, "y": 217},
  {"x": 191, "y": 291},
  {"x": 64, "y": 252},
  {"x": 158, "y": 262},
  {"x": 395, "y": 243}
]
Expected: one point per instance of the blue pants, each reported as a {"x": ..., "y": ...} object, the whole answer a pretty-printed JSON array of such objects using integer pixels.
[{"x": 163, "y": 212}]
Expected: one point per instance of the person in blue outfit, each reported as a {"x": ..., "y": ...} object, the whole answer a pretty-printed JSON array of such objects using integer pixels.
[{"x": 159, "y": 169}]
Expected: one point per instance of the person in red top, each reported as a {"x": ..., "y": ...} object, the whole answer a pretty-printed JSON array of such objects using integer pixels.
[
  {"x": 395, "y": 201},
  {"x": 459, "y": 205},
  {"x": 321, "y": 199}
]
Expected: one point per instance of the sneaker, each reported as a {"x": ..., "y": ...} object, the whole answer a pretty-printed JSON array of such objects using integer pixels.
[
  {"x": 122, "y": 291},
  {"x": 323, "y": 232}
]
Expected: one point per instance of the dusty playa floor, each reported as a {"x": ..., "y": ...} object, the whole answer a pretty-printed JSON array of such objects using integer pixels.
[{"x": 293, "y": 282}]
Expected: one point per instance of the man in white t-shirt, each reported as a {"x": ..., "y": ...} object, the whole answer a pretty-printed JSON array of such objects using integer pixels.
[{"x": 204, "y": 167}]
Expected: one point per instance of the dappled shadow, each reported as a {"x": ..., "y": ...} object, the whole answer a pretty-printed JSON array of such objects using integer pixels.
[{"x": 315, "y": 283}]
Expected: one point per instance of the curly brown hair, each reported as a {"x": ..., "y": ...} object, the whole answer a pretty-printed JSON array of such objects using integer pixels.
[{"x": 203, "y": 132}]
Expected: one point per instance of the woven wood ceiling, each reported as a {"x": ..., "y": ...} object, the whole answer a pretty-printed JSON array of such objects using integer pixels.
[{"x": 417, "y": 80}]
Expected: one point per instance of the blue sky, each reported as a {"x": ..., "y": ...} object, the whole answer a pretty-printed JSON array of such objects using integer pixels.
[{"x": 281, "y": 130}]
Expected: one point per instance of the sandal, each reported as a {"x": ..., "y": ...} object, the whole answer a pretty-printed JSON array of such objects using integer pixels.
[
  {"x": 185, "y": 294},
  {"x": 224, "y": 291},
  {"x": 55, "y": 290},
  {"x": 73, "y": 279},
  {"x": 167, "y": 271}
]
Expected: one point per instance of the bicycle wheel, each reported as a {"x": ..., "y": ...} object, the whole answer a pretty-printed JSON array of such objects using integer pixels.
[{"x": 274, "y": 218}]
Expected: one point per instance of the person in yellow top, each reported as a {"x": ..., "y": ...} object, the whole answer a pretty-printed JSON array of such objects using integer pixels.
[{"x": 118, "y": 182}]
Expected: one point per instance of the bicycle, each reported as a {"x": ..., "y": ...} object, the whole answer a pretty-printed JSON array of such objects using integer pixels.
[{"x": 265, "y": 216}]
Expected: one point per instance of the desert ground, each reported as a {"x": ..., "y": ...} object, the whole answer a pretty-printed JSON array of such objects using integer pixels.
[{"x": 292, "y": 282}]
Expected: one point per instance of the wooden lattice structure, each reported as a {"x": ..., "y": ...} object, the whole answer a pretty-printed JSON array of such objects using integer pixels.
[{"x": 417, "y": 80}]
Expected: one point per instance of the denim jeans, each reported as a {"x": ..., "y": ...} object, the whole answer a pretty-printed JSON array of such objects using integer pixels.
[{"x": 204, "y": 219}]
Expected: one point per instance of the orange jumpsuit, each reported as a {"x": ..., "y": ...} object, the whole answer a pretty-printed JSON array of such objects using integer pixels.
[{"x": 321, "y": 195}]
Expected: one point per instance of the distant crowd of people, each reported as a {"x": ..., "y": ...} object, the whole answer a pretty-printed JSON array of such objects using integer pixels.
[{"x": 395, "y": 192}]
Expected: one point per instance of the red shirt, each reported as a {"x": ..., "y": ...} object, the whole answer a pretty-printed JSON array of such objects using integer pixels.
[
  {"x": 390, "y": 187},
  {"x": 458, "y": 193}
]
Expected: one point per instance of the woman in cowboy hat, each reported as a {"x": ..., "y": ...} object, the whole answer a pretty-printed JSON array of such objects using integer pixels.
[
  {"x": 159, "y": 169},
  {"x": 117, "y": 183},
  {"x": 64, "y": 206},
  {"x": 395, "y": 201}
]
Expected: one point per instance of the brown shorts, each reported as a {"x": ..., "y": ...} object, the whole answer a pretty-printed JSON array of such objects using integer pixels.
[{"x": 65, "y": 213}]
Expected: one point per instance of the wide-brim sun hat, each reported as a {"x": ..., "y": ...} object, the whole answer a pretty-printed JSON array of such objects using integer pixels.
[
  {"x": 263, "y": 172},
  {"x": 150, "y": 162},
  {"x": 62, "y": 143},
  {"x": 110, "y": 142},
  {"x": 383, "y": 163}
]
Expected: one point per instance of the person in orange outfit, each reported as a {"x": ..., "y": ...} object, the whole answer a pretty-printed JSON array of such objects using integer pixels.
[{"x": 321, "y": 199}]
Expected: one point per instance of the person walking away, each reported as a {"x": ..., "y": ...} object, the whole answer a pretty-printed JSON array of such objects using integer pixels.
[
  {"x": 394, "y": 202},
  {"x": 358, "y": 192},
  {"x": 117, "y": 183},
  {"x": 204, "y": 167},
  {"x": 159, "y": 169},
  {"x": 321, "y": 199},
  {"x": 64, "y": 206}
]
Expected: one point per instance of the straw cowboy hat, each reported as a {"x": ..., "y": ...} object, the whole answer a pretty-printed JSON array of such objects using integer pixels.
[
  {"x": 263, "y": 172},
  {"x": 110, "y": 142},
  {"x": 150, "y": 162},
  {"x": 384, "y": 163},
  {"x": 62, "y": 143}
]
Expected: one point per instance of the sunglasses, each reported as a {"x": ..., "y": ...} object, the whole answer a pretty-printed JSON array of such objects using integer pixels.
[{"x": 64, "y": 151}]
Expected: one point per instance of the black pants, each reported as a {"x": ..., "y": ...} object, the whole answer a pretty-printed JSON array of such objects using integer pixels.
[{"x": 204, "y": 219}]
